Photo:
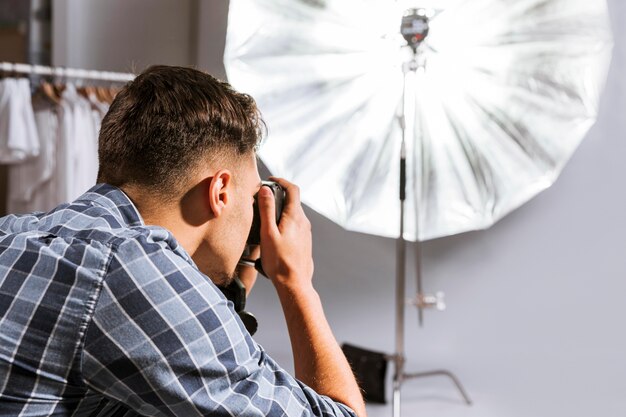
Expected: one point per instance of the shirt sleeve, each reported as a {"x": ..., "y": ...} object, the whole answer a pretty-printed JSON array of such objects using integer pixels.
[{"x": 164, "y": 341}]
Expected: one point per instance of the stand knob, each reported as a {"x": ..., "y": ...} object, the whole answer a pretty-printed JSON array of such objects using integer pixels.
[{"x": 431, "y": 301}]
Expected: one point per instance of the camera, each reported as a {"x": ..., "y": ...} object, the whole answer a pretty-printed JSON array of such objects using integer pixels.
[
  {"x": 236, "y": 291},
  {"x": 254, "y": 238}
]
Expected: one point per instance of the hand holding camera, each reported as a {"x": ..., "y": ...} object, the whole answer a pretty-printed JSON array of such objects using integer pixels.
[
  {"x": 251, "y": 255},
  {"x": 254, "y": 238},
  {"x": 285, "y": 238},
  {"x": 281, "y": 228},
  {"x": 286, "y": 246}
]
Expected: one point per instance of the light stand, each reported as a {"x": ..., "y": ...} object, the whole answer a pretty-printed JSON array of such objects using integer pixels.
[{"x": 414, "y": 28}]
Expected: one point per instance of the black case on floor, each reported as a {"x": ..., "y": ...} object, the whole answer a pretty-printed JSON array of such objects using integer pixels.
[{"x": 370, "y": 370}]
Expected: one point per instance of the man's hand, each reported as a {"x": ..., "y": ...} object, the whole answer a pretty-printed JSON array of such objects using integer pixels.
[
  {"x": 286, "y": 248},
  {"x": 286, "y": 253}
]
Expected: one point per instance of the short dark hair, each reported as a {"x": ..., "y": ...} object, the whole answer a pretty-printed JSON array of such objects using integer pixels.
[{"x": 167, "y": 121}]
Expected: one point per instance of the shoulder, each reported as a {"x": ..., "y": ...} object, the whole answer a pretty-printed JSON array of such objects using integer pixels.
[{"x": 150, "y": 259}]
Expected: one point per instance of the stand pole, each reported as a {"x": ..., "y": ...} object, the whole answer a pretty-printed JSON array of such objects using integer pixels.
[
  {"x": 399, "y": 358},
  {"x": 400, "y": 279}
]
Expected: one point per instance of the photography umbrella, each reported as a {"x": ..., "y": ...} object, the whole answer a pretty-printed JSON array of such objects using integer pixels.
[{"x": 504, "y": 94}]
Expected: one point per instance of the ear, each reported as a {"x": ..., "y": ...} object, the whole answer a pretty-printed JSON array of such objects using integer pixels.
[{"x": 220, "y": 186}]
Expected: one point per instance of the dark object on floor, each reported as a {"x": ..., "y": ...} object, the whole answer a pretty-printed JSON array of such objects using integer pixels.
[{"x": 370, "y": 369}]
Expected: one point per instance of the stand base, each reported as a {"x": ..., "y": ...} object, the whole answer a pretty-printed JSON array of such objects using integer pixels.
[
  {"x": 400, "y": 377},
  {"x": 446, "y": 373}
]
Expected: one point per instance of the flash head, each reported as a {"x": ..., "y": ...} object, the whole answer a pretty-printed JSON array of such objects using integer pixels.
[{"x": 414, "y": 27}]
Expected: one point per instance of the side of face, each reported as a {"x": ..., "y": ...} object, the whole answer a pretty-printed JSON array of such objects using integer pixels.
[
  {"x": 227, "y": 231},
  {"x": 246, "y": 185}
]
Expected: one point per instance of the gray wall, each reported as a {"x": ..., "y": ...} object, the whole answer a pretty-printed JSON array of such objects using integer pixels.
[
  {"x": 536, "y": 304},
  {"x": 120, "y": 35}
]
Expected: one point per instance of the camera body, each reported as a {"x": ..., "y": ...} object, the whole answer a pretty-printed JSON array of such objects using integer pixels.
[{"x": 254, "y": 238}]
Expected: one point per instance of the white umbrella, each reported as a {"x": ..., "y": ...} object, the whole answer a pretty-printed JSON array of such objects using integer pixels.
[{"x": 504, "y": 93}]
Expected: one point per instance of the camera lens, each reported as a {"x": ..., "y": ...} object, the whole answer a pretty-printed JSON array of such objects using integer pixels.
[{"x": 254, "y": 238}]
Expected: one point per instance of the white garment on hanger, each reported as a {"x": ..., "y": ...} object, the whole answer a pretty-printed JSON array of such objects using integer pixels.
[
  {"x": 87, "y": 131},
  {"x": 77, "y": 154},
  {"x": 31, "y": 186},
  {"x": 18, "y": 134},
  {"x": 66, "y": 166}
]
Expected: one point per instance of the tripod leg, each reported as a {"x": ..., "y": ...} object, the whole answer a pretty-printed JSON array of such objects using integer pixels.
[
  {"x": 443, "y": 372},
  {"x": 396, "y": 399}
]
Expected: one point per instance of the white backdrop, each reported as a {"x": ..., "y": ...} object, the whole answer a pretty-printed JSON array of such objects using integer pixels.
[{"x": 536, "y": 304}]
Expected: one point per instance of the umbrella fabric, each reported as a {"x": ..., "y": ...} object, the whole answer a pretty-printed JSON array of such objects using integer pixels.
[{"x": 503, "y": 94}]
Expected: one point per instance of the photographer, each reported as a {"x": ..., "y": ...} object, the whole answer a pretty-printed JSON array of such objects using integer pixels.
[{"x": 109, "y": 305}]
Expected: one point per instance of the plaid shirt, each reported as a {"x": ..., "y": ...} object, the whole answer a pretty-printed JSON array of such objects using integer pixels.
[{"x": 101, "y": 315}]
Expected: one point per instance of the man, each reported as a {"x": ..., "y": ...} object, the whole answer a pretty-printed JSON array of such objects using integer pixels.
[{"x": 108, "y": 305}]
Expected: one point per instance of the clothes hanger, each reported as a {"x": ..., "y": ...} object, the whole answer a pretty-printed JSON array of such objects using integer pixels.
[
  {"x": 49, "y": 92},
  {"x": 111, "y": 93},
  {"x": 88, "y": 91},
  {"x": 59, "y": 82},
  {"x": 101, "y": 94},
  {"x": 80, "y": 88}
]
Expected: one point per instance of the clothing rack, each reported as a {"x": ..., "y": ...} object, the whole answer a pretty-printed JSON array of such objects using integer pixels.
[{"x": 62, "y": 72}]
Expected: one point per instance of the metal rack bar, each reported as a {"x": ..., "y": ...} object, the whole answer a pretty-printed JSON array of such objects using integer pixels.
[{"x": 66, "y": 72}]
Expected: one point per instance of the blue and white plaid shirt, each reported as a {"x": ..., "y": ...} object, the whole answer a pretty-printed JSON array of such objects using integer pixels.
[{"x": 101, "y": 315}]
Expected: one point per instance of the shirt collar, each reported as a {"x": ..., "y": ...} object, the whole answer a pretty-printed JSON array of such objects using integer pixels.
[{"x": 115, "y": 200}]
